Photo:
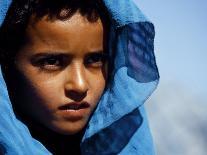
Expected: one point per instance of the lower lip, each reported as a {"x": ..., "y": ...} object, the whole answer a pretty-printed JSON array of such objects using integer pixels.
[{"x": 74, "y": 115}]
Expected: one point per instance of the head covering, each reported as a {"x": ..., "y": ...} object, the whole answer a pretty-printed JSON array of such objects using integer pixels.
[{"x": 119, "y": 124}]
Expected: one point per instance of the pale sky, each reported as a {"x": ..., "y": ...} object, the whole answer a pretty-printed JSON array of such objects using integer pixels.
[
  {"x": 178, "y": 109},
  {"x": 181, "y": 40}
]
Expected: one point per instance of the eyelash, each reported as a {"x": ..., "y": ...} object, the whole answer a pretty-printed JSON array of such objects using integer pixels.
[
  {"x": 53, "y": 63},
  {"x": 96, "y": 60}
]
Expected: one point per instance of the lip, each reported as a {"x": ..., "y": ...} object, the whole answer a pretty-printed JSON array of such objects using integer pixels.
[{"x": 74, "y": 110}]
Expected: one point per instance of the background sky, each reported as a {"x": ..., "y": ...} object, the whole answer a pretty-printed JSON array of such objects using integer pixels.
[{"x": 178, "y": 108}]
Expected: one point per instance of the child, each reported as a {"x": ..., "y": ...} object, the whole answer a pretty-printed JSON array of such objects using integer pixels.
[{"x": 57, "y": 61}]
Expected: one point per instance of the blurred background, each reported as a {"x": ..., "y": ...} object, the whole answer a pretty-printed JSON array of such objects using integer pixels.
[{"x": 178, "y": 108}]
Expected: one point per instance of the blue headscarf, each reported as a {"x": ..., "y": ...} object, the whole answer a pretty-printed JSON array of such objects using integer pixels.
[{"x": 119, "y": 124}]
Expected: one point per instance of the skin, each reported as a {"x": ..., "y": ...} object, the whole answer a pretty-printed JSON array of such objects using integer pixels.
[{"x": 61, "y": 62}]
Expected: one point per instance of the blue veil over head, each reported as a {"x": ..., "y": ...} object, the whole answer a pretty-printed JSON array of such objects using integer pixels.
[{"x": 119, "y": 124}]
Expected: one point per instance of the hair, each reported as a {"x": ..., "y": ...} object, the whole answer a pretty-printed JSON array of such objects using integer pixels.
[{"x": 12, "y": 31}]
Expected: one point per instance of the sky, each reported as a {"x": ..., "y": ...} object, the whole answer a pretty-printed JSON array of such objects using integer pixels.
[
  {"x": 181, "y": 40},
  {"x": 177, "y": 109}
]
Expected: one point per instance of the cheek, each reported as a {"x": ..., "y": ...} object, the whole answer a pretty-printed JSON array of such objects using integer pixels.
[
  {"x": 97, "y": 84},
  {"x": 40, "y": 91},
  {"x": 47, "y": 89}
]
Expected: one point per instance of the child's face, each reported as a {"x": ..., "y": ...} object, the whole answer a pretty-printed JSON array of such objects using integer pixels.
[{"x": 64, "y": 72}]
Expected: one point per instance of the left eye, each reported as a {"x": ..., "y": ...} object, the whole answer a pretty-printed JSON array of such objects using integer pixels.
[{"x": 96, "y": 59}]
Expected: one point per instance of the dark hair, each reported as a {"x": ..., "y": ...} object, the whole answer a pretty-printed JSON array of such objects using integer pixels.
[{"x": 12, "y": 31}]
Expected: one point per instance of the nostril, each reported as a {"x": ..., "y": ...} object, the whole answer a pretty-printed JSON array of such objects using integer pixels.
[{"x": 75, "y": 95}]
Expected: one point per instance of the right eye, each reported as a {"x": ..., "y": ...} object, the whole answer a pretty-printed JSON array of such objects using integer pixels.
[{"x": 50, "y": 63}]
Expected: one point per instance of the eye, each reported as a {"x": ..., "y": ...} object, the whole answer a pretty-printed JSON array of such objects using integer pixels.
[
  {"x": 50, "y": 62},
  {"x": 96, "y": 59}
]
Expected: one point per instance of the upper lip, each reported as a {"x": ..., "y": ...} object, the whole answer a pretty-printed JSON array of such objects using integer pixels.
[{"x": 74, "y": 106}]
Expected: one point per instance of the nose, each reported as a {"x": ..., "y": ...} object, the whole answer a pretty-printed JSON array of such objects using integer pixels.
[{"x": 76, "y": 86}]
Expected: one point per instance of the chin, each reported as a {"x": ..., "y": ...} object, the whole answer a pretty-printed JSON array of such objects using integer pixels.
[{"x": 69, "y": 128}]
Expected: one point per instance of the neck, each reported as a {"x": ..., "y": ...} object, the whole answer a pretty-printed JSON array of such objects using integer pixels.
[
  {"x": 57, "y": 144},
  {"x": 54, "y": 142}
]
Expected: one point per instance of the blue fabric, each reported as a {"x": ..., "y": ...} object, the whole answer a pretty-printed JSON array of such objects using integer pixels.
[
  {"x": 119, "y": 124},
  {"x": 15, "y": 138},
  {"x": 4, "y": 5}
]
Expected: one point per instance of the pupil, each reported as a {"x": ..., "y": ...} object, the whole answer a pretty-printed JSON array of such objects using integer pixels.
[
  {"x": 51, "y": 61},
  {"x": 96, "y": 58}
]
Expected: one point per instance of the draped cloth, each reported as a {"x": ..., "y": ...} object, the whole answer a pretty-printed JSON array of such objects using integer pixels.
[{"x": 119, "y": 124}]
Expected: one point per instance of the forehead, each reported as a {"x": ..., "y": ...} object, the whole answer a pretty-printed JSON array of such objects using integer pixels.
[
  {"x": 76, "y": 23},
  {"x": 75, "y": 33}
]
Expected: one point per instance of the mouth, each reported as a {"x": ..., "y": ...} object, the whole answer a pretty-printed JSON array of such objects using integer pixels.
[
  {"x": 75, "y": 106},
  {"x": 75, "y": 111}
]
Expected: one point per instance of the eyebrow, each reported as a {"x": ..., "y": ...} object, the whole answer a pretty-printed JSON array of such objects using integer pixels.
[
  {"x": 59, "y": 54},
  {"x": 50, "y": 54},
  {"x": 56, "y": 53},
  {"x": 37, "y": 56}
]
